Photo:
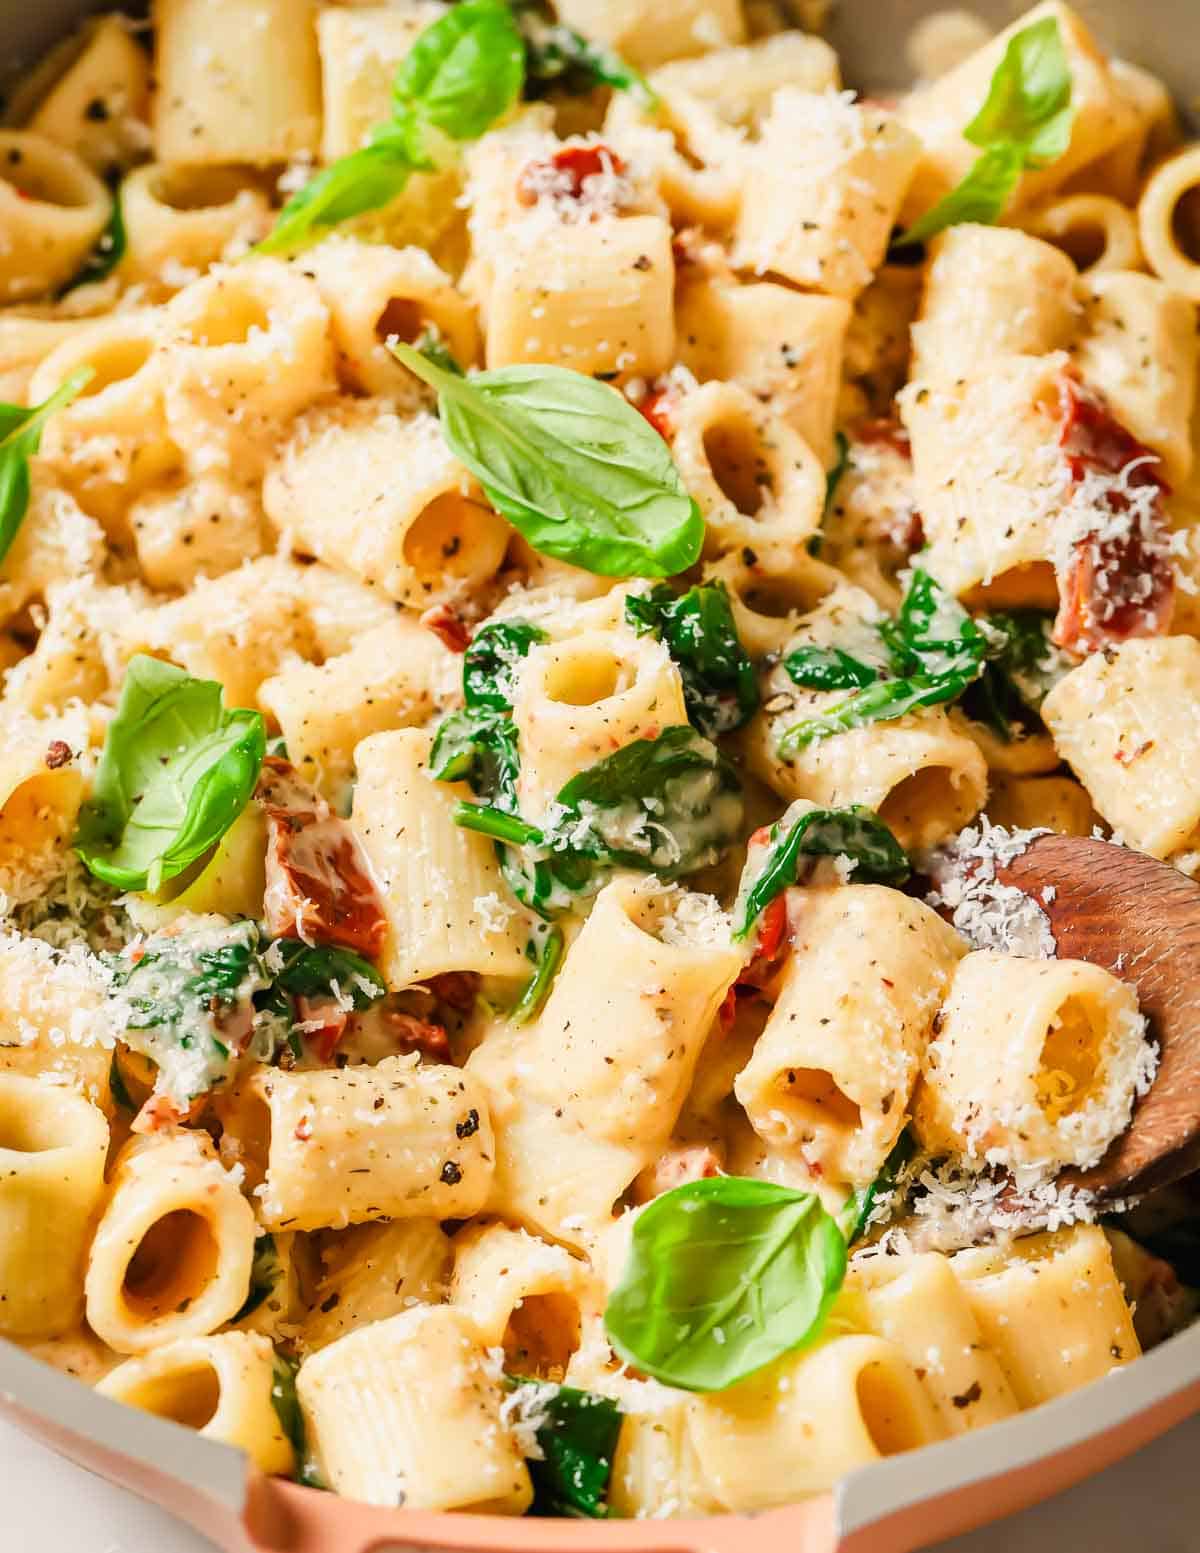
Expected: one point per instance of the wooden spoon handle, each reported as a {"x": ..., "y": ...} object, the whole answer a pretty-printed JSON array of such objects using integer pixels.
[{"x": 1139, "y": 919}]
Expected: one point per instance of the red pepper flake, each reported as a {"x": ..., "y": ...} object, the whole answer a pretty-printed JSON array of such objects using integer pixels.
[
  {"x": 1120, "y": 582},
  {"x": 302, "y": 1131},
  {"x": 58, "y": 754},
  {"x": 1126, "y": 757},
  {"x": 658, "y": 407},
  {"x": 887, "y": 431},
  {"x": 319, "y": 887},
  {"x": 566, "y": 174}
]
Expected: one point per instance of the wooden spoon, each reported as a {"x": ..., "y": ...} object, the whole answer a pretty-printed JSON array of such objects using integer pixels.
[{"x": 1139, "y": 919}]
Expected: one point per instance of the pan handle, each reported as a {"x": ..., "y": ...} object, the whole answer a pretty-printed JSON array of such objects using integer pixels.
[{"x": 281, "y": 1517}]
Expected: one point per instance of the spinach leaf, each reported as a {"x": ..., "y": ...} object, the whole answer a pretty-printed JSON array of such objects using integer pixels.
[
  {"x": 308, "y": 971},
  {"x": 578, "y": 1440},
  {"x": 265, "y": 1272},
  {"x": 479, "y": 747},
  {"x": 859, "y": 1205},
  {"x": 176, "y": 770},
  {"x": 545, "y": 954},
  {"x": 118, "y": 1086},
  {"x": 828, "y": 668},
  {"x": 571, "y": 464},
  {"x": 1025, "y": 121},
  {"x": 720, "y": 688},
  {"x": 492, "y": 661},
  {"x": 670, "y": 804},
  {"x": 20, "y": 438},
  {"x": 108, "y": 252},
  {"x": 465, "y": 70},
  {"x": 724, "y": 1276},
  {"x": 556, "y": 56},
  {"x": 854, "y": 832},
  {"x": 291, "y": 1418},
  {"x": 936, "y": 651}
]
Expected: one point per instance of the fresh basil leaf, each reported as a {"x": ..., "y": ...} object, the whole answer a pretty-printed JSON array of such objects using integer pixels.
[
  {"x": 20, "y": 438},
  {"x": 854, "y": 832},
  {"x": 465, "y": 70},
  {"x": 108, "y": 252},
  {"x": 431, "y": 345},
  {"x": 1029, "y": 99},
  {"x": 492, "y": 660},
  {"x": 980, "y": 197},
  {"x": 670, "y": 804},
  {"x": 860, "y": 1204},
  {"x": 828, "y": 668},
  {"x": 365, "y": 180},
  {"x": 720, "y": 688},
  {"x": 571, "y": 464},
  {"x": 176, "y": 770},
  {"x": 310, "y": 971},
  {"x": 1025, "y": 121},
  {"x": 556, "y": 56},
  {"x": 578, "y": 1440},
  {"x": 724, "y": 1276}
]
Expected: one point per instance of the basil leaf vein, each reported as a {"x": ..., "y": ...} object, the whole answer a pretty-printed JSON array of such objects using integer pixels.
[{"x": 724, "y": 1276}]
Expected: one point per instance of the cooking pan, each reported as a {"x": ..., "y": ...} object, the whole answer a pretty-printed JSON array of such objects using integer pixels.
[{"x": 899, "y": 1504}]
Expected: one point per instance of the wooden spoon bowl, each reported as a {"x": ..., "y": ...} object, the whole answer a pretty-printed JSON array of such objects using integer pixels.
[{"x": 1139, "y": 919}]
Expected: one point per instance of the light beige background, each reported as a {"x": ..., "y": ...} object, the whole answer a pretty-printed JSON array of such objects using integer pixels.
[{"x": 1149, "y": 1504}]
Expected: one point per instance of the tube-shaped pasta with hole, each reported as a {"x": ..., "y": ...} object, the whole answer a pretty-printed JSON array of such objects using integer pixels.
[
  {"x": 990, "y": 479},
  {"x": 390, "y": 678},
  {"x": 181, "y": 220},
  {"x": 246, "y": 349},
  {"x": 588, "y": 1096},
  {"x": 595, "y": 296},
  {"x": 98, "y": 105},
  {"x": 172, "y": 1253},
  {"x": 397, "y": 1140},
  {"x": 581, "y": 699},
  {"x": 238, "y": 628},
  {"x": 991, "y": 291},
  {"x": 360, "y": 49},
  {"x": 831, "y": 1074},
  {"x": 648, "y": 38},
  {"x": 767, "y": 605},
  {"x": 757, "y": 482},
  {"x": 1161, "y": 221},
  {"x": 1055, "y": 803},
  {"x": 924, "y": 776},
  {"x": 374, "y": 1271},
  {"x": 525, "y": 1295},
  {"x": 112, "y": 442},
  {"x": 53, "y": 1145},
  {"x": 740, "y": 82},
  {"x": 407, "y": 1411},
  {"x": 1094, "y": 230},
  {"x": 721, "y": 328},
  {"x": 1102, "y": 116},
  {"x": 24, "y": 343},
  {"x": 374, "y": 293},
  {"x": 826, "y": 187},
  {"x": 1139, "y": 348},
  {"x": 1036, "y": 1062},
  {"x": 1116, "y": 722},
  {"x": 917, "y": 1303},
  {"x": 53, "y": 209},
  {"x": 447, "y": 906},
  {"x": 798, "y": 1426},
  {"x": 57, "y": 540},
  {"x": 237, "y": 81},
  {"x": 1050, "y": 1308},
  {"x": 39, "y": 803},
  {"x": 382, "y": 497},
  {"x": 55, "y": 1020},
  {"x": 693, "y": 159},
  {"x": 220, "y": 1386}
]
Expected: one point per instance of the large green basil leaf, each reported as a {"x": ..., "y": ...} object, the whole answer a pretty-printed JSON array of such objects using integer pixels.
[
  {"x": 20, "y": 437},
  {"x": 571, "y": 464},
  {"x": 465, "y": 70},
  {"x": 724, "y": 1276},
  {"x": 176, "y": 770}
]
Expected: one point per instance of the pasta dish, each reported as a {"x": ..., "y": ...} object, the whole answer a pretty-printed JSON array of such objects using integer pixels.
[{"x": 548, "y": 562}]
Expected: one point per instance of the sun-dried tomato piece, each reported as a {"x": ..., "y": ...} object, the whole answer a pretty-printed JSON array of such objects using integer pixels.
[
  {"x": 1119, "y": 581},
  {"x": 565, "y": 175},
  {"x": 418, "y": 1035},
  {"x": 324, "y": 1024},
  {"x": 448, "y": 626},
  {"x": 690, "y": 1162},
  {"x": 886, "y": 430},
  {"x": 458, "y": 989},
  {"x": 319, "y": 887}
]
